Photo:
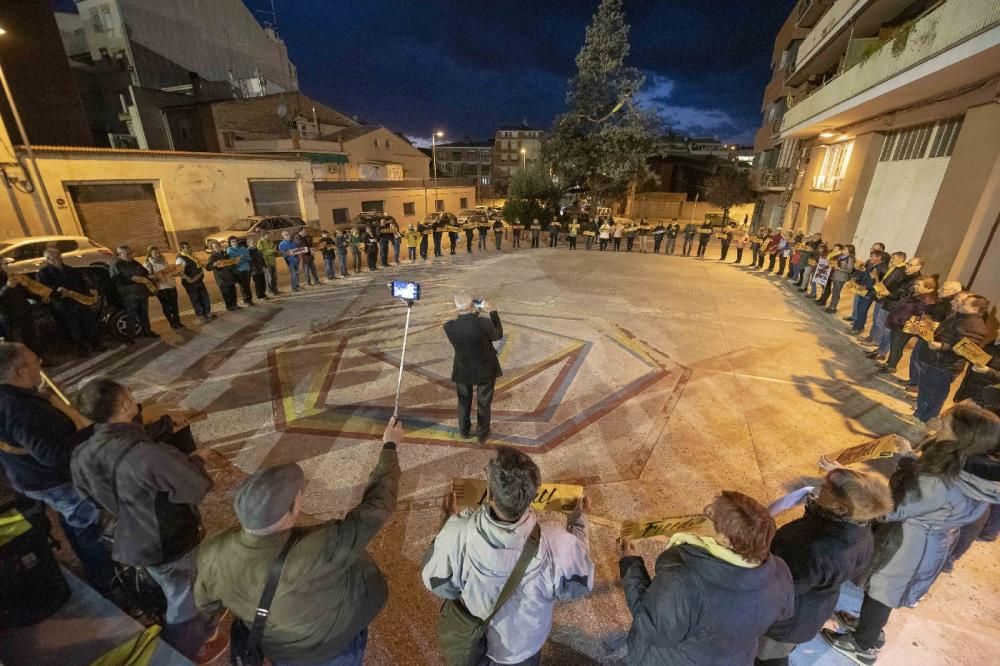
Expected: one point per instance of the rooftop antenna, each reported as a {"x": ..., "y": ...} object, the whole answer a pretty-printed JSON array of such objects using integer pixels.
[{"x": 273, "y": 23}]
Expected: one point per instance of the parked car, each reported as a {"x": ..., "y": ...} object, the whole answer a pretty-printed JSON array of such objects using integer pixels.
[
  {"x": 465, "y": 215},
  {"x": 27, "y": 255},
  {"x": 363, "y": 220},
  {"x": 253, "y": 227}
]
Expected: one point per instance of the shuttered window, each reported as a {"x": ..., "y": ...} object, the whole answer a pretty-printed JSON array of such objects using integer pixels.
[
  {"x": 275, "y": 197},
  {"x": 120, "y": 214}
]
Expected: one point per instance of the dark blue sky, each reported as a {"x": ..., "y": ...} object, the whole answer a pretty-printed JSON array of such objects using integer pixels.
[{"x": 467, "y": 66}]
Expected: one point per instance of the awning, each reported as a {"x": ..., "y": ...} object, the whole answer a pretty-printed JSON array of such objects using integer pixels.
[{"x": 326, "y": 158}]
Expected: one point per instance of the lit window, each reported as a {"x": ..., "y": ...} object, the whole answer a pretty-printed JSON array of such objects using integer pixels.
[{"x": 831, "y": 171}]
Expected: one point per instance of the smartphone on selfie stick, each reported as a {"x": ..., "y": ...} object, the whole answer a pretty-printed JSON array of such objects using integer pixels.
[{"x": 409, "y": 293}]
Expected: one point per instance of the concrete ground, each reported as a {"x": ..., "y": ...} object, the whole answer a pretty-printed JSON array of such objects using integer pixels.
[{"x": 655, "y": 381}]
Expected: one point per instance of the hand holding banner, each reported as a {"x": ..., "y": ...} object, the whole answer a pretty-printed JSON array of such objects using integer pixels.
[
  {"x": 922, "y": 326},
  {"x": 550, "y": 497},
  {"x": 633, "y": 530}
]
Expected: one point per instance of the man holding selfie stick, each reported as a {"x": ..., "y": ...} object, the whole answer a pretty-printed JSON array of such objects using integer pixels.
[{"x": 476, "y": 365}]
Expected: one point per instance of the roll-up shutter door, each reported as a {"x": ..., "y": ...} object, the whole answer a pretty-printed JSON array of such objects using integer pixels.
[
  {"x": 120, "y": 214},
  {"x": 275, "y": 197}
]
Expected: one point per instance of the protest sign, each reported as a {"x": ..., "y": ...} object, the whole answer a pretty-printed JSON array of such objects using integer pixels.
[
  {"x": 550, "y": 496},
  {"x": 882, "y": 447},
  {"x": 922, "y": 326},
  {"x": 663, "y": 527},
  {"x": 971, "y": 352},
  {"x": 881, "y": 290},
  {"x": 822, "y": 275}
]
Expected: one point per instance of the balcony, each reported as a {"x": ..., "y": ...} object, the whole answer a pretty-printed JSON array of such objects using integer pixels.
[
  {"x": 774, "y": 180},
  {"x": 955, "y": 44},
  {"x": 408, "y": 183},
  {"x": 810, "y": 11}
]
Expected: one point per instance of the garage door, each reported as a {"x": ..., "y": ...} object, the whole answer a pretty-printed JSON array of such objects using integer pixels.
[
  {"x": 275, "y": 197},
  {"x": 911, "y": 166},
  {"x": 121, "y": 214}
]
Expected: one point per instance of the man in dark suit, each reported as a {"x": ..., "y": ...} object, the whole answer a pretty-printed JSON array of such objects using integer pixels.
[{"x": 476, "y": 364}]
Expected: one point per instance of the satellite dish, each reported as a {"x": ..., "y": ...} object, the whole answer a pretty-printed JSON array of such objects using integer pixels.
[{"x": 282, "y": 110}]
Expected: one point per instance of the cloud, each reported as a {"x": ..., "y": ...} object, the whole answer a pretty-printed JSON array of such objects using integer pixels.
[{"x": 658, "y": 96}]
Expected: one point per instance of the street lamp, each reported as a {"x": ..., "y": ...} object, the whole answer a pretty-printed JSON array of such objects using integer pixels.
[
  {"x": 524, "y": 158},
  {"x": 434, "y": 137},
  {"x": 27, "y": 147}
]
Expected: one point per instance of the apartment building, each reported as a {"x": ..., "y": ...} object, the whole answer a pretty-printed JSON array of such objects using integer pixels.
[
  {"x": 135, "y": 58},
  {"x": 882, "y": 123},
  {"x": 514, "y": 147},
  {"x": 465, "y": 159}
]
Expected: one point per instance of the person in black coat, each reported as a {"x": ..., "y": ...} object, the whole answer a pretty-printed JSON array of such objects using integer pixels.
[
  {"x": 712, "y": 598},
  {"x": 78, "y": 320},
  {"x": 476, "y": 363},
  {"x": 829, "y": 545}
]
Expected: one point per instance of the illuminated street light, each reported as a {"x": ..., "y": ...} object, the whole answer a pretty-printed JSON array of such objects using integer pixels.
[
  {"x": 524, "y": 158},
  {"x": 37, "y": 176}
]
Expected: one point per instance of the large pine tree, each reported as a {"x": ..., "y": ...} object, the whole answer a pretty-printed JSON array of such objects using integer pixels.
[{"x": 603, "y": 141}]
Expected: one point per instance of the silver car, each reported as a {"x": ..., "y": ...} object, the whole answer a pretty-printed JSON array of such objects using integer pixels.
[
  {"x": 27, "y": 255},
  {"x": 254, "y": 227}
]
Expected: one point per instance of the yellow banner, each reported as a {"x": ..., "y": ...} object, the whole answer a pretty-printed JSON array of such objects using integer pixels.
[
  {"x": 663, "y": 527},
  {"x": 452, "y": 230},
  {"x": 922, "y": 326},
  {"x": 881, "y": 289},
  {"x": 550, "y": 496},
  {"x": 588, "y": 233},
  {"x": 971, "y": 352},
  {"x": 705, "y": 230},
  {"x": 883, "y": 447}
]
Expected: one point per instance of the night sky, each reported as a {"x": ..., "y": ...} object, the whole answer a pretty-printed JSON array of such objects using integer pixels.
[{"x": 467, "y": 66}]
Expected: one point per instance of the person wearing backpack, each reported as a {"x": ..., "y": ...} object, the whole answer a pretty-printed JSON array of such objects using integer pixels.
[
  {"x": 153, "y": 490},
  {"x": 328, "y": 588},
  {"x": 501, "y": 571}
]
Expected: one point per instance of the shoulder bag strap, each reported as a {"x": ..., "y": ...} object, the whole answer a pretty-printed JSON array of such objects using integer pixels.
[
  {"x": 530, "y": 549},
  {"x": 264, "y": 608},
  {"x": 114, "y": 474}
]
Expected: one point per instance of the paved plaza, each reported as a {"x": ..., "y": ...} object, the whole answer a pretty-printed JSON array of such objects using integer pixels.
[{"x": 655, "y": 381}]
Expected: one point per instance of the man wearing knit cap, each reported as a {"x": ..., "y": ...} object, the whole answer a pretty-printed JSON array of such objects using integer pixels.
[{"x": 330, "y": 588}]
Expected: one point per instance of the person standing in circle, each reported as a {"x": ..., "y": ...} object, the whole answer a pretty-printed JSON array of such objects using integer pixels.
[{"x": 476, "y": 365}]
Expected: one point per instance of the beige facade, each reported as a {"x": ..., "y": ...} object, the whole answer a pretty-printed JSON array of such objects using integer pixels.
[
  {"x": 190, "y": 195},
  {"x": 407, "y": 201},
  {"x": 375, "y": 153},
  {"x": 675, "y": 207},
  {"x": 514, "y": 147},
  {"x": 893, "y": 134}
]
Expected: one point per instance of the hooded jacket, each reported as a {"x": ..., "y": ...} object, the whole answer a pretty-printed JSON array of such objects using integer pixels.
[
  {"x": 702, "y": 610},
  {"x": 822, "y": 551},
  {"x": 158, "y": 487},
  {"x": 472, "y": 557},
  {"x": 913, "y": 543}
]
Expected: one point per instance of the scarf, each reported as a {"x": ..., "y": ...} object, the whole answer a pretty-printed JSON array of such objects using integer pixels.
[
  {"x": 714, "y": 548},
  {"x": 186, "y": 255}
]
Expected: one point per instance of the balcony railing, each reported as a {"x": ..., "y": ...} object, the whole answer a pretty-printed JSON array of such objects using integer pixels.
[
  {"x": 810, "y": 11},
  {"x": 932, "y": 34},
  {"x": 408, "y": 183},
  {"x": 772, "y": 179},
  {"x": 830, "y": 23}
]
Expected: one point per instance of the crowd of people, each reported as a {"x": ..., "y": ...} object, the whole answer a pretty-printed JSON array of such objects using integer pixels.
[
  {"x": 894, "y": 303},
  {"x": 750, "y": 593}
]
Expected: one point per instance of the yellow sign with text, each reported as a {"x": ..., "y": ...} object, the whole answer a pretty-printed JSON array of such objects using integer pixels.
[
  {"x": 971, "y": 352},
  {"x": 922, "y": 326},
  {"x": 633, "y": 530},
  {"x": 550, "y": 496},
  {"x": 883, "y": 447}
]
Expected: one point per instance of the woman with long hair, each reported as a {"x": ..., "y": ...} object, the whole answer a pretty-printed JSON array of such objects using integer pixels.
[{"x": 948, "y": 484}]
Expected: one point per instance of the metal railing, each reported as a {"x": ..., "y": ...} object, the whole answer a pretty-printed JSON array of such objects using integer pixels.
[
  {"x": 937, "y": 31},
  {"x": 406, "y": 183}
]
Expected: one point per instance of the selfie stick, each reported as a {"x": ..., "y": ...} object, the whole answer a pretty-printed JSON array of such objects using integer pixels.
[{"x": 402, "y": 356}]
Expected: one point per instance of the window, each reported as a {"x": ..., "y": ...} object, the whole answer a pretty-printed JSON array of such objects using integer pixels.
[
  {"x": 376, "y": 143},
  {"x": 439, "y": 205},
  {"x": 921, "y": 141},
  {"x": 463, "y": 203},
  {"x": 945, "y": 138},
  {"x": 387, "y": 143},
  {"x": 228, "y": 139},
  {"x": 29, "y": 251},
  {"x": 409, "y": 209},
  {"x": 100, "y": 17},
  {"x": 67, "y": 245},
  {"x": 372, "y": 206},
  {"x": 831, "y": 171},
  {"x": 341, "y": 216}
]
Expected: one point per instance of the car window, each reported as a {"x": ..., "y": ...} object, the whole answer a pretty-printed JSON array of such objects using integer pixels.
[
  {"x": 243, "y": 225},
  {"x": 29, "y": 251},
  {"x": 67, "y": 245},
  {"x": 264, "y": 225},
  {"x": 296, "y": 221},
  {"x": 280, "y": 223}
]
